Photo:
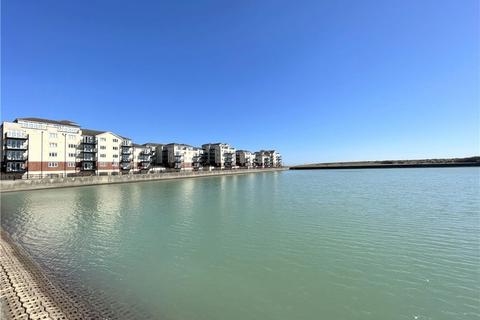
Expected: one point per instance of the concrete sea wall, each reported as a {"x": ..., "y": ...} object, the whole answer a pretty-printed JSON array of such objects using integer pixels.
[{"x": 46, "y": 183}]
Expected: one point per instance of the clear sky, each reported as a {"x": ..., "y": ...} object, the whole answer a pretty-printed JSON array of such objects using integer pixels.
[{"x": 317, "y": 80}]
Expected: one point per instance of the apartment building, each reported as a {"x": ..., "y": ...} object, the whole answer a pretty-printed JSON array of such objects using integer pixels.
[
  {"x": 245, "y": 159},
  {"x": 35, "y": 146},
  {"x": 39, "y": 147},
  {"x": 220, "y": 155},
  {"x": 182, "y": 156},
  {"x": 103, "y": 152},
  {"x": 142, "y": 157},
  {"x": 262, "y": 159},
  {"x": 268, "y": 159},
  {"x": 275, "y": 159},
  {"x": 156, "y": 154}
]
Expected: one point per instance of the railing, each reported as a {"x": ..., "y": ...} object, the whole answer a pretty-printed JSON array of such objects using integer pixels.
[
  {"x": 23, "y": 146},
  {"x": 88, "y": 140},
  {"x": 89, "y": 150},
  {"x": 16, "y": 135},
  {"x": 23, "y": 157},
  {"x": 126, "y": 143}
]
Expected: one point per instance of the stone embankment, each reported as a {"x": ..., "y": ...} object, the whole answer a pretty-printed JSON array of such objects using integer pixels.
[
  {"x": 25, "y": 293},
  {"x": 46, "y": 183}
]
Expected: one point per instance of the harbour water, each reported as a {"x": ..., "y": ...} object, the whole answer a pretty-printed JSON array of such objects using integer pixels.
[{"x": 336, "y": 244}]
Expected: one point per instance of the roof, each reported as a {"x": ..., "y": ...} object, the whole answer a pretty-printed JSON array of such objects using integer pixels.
[
  {"x": 59, "y": 122},
  {"x": 180, "y": 144},
  {"x": 153, "y": 144},
  {"x": 137, "y": 145},
  {"x": 90, "y": 132}
]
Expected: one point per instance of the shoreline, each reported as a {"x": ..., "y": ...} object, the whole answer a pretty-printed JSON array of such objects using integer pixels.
[
  {"x": 383, "y": 166},
  {"x": 7, "y": 186},
  {"x": 26, "y": 292}
]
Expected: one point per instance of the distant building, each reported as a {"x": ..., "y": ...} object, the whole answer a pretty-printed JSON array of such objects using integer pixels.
[
  {"x": 182, "y": 156},
  {"x": 245, "y": 159},
  {"x": 268, "y": 159},
  {"x": 220, "y": 155}
]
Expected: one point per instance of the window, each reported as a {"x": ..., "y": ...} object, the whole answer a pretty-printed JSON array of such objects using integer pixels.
[
  {"x": 52, "y": 154},
  {"x": 103, "y": 155},
  {"x": 115, "y": 140},
  {"x": 71, "y": 137},
  {"x": 103, "y": 139},
  {"x": 71, "y": 155},
  {"x": 115, "y": 155},
  {"x": 52, "y": 144},
  {"x": 70, "y": 145},
  {"x": 53, "y": 164},
  {"x": 103, "y": 147},
  {"x": 115, "y": 148},
  {"x": 53, "y": 135},
  {"x": 71, "y": 164}
]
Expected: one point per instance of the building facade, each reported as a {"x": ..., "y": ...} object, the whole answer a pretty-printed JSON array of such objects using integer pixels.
[
  {"x": 182, "y": 156},
  {"x": 245, "y": 159},
  {"x": 220, "y": 155},
  {"x": 35, "y": 147},
  {"x": 40, "y": 147}
]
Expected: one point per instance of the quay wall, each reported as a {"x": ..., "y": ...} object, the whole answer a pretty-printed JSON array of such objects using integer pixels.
[{"x": 47, "y": 183}]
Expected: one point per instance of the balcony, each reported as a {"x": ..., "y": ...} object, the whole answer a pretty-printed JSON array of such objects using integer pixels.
[
  {"x": 88, "y": 149},
  {"x": 125, "y": 166},
  {"x": 12, "y": 145},
  {"x": 89, "y": 140},
  {"x": 15, "y": 167},
  {"x": 16, "y": 135},
  {"x": 126, "y": 151},
  {"x": 87, "y": 157},
  {"x": 126, "y": 143},
  {"x": 20, "y": 157},
  {"x": 125, "y": 160}
]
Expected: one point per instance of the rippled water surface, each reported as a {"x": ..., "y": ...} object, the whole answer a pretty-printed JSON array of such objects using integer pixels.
[{"x": 339, "y": 244}]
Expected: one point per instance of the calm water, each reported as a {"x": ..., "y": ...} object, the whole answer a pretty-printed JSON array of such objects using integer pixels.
[{"x": 346, "y": 244}]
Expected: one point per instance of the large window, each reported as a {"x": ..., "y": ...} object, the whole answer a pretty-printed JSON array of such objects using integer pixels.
[
  {"x": 52, "y": 154},
  {"x": 53, "y": 164},
  {"x": 53, "y": 135}
]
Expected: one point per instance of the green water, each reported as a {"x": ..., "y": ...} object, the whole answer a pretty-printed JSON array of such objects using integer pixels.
[{"x": 339, "y": 244}]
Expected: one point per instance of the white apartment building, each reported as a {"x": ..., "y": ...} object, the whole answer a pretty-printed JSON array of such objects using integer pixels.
[
  {"x": 35, "y": 147},
  {"x": 268, "y": 159},
  {"x": 220, "y": 155},
  {"x": 104, "y": 152},
  {"x": 182, "y": 156},
  {"x": 142, "y": 157},
  {"x": 262, "y": 159},
  {"x": 39, "y": 147},
  {"x": 245, "y": 159}
]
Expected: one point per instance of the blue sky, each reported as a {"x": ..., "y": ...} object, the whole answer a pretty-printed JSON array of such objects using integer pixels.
[{"x": 317, "y": 80}]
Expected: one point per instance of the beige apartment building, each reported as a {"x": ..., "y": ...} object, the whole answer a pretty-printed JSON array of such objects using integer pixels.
[
  {"x": 245, "y": 159},
  {"x": 220, "y": 155},
  {"x": 103, "y": 152},
  {"x": 39, "y": 147},
  {"x": 182, "y": 156},
  {"x": 268, "y": 159},
  {"x": 35, "y": 147}
]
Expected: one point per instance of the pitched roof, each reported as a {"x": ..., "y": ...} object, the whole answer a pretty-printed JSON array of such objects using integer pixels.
[
  {"x": 60, "y": 122},
  {"x": 90, "y": 132}
]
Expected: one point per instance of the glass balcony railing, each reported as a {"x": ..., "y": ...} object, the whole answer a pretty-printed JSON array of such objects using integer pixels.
[{"x": 16, "y": 134}]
